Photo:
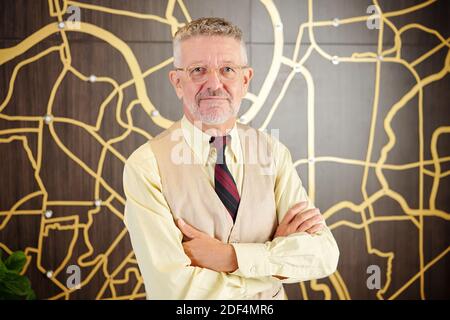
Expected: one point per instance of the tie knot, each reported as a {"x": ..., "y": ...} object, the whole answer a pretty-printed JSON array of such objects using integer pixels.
[{"x": 220, "y": 142}]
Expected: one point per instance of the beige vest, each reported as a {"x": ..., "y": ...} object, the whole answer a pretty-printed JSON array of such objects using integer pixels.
[{"x": 190, "y": 195}]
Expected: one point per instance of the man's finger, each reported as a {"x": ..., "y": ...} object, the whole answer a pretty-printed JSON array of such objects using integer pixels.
[
  {"x": 293, "y": 211},
  {"x": 316, "y": 228},
  {"x": 310, "y": 223},
  {"x": 189, "y": 230},
  {"x": 304, "y": 216}
]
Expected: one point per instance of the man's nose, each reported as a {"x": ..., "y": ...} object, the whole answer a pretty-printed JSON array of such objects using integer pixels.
[{"x": 213, "y": 81}]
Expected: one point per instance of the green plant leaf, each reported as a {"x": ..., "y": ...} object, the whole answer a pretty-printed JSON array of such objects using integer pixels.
[
  {"x": 1, "y": 261},
  {"x": 2, "y": 270},
  {"x": 4, "y": 294},
  {"x": 16, "y": 261},
  {"x": 31, "y": 295},
  {"x": 15, "y": 286}
]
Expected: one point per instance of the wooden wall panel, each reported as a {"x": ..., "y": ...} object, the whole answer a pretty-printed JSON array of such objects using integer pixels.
[{"x": 378, "y": 118}]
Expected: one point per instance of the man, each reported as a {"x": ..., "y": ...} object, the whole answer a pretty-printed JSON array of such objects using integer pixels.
[{"x": 205, "y": 221}]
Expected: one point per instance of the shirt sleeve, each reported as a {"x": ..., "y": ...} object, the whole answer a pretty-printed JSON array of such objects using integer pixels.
[
  {"x": 157, "y": 243},
  {"x": 299, "y": 256}
]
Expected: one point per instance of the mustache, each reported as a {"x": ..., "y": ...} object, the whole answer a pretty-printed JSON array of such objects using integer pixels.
[{"x": 211, "y": 93}]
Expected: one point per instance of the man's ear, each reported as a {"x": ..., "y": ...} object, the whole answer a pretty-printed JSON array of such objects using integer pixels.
[
  {"x": 247, "y": 76},
  {"x": 176, "y": 83}
]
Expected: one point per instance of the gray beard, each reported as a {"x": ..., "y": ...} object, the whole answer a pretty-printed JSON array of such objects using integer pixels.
[{"x": 212, "y": 118}]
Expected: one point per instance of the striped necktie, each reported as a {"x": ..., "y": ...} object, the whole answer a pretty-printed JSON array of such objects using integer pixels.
[{"x": 223, "y": 180}]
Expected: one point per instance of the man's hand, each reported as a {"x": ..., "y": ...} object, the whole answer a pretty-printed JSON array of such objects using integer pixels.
[
  {"x": 207, "y": 252},
  {"x": 298, "y": 220}
]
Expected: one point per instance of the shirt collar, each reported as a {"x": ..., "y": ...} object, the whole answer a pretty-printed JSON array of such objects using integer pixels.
[{"x": 198, "y": 141}]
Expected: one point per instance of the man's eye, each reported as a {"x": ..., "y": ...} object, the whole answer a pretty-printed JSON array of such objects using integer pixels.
[
  {"x": 228, "y": 69},
  {"x": 197, "y": 70}
]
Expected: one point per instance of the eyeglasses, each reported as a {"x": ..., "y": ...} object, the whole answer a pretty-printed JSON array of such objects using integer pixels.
[{"x": 227, "y": 72}]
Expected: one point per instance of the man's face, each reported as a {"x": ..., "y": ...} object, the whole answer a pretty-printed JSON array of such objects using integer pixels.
[{"x": 214, "y": 100}]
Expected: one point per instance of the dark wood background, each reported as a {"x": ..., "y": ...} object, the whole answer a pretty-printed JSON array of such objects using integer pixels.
[{"x": 344, "y": 97}]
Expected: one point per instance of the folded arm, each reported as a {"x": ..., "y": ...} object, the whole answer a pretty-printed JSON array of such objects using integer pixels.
[
  {"x": 294, "y": 258},
  {"x": 303, "y": 249},
  {"x": 297, "y": 254},
  {"x": 157, "y": 244}
]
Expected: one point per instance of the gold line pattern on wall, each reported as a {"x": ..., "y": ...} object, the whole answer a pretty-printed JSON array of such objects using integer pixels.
[{"x": 365, "y": 209}]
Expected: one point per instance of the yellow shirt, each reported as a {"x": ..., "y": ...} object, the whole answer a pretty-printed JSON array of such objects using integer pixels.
[{"x": 299, "y": 257}]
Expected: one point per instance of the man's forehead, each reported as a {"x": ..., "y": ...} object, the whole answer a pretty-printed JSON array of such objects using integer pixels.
[{"x": 204, "y": 49}]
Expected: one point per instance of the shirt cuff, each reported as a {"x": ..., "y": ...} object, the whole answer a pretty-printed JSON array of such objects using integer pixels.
[{"x": 253, "y": 260}]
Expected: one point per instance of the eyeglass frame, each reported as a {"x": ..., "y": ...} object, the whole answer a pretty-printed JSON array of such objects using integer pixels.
[{"x": 185, "y": 69}]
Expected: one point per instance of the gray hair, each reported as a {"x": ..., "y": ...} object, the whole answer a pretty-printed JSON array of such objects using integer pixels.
[{"x": 207, "y": 27}]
